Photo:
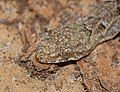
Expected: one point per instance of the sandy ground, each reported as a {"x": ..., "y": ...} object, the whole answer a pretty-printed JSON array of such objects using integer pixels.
[{"x": 99, "y": 72}]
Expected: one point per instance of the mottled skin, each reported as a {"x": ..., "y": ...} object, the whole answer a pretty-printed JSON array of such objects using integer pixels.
[{"x": 77, "y": 40}]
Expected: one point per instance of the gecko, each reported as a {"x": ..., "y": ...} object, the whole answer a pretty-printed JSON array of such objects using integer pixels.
[{"x": 75, "y": 41}]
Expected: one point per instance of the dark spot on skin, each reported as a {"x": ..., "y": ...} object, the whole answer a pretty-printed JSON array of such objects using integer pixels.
[
  {"x": 3, "y": 52},
  {"x": 8, "y": 35},
  {"x": 23, "y": 63}
]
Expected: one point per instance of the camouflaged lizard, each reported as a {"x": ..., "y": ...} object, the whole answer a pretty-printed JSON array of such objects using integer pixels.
[{"x": 77, "y": 40}]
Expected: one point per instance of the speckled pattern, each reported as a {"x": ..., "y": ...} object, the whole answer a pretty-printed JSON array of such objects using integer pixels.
[{"x": 77, "y": 40}]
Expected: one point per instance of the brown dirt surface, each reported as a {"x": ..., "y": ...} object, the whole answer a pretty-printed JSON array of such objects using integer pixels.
[
  {"x": 101, "y": 69},
  {"x": 20, "y": 20}
]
